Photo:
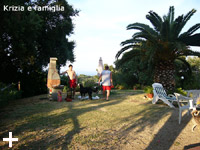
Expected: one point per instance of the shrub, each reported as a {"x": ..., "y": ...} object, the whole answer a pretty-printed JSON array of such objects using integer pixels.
[
  {"x": 89, "y": 83},
  {"x": 120, "y": 87},
  {"x": 181, "y": 91},
  {"x": 64, "y": 80},
  {"x": 65, "y": 89},
  {"x": 10, "y": 93},
  {"x": 148, "y": 90},
  {"x": 137, "y": 86}
]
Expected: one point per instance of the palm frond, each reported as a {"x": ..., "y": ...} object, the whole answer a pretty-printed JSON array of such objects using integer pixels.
[
  {"x": 142, "y": 27},
  {"x": 171, "y": 14},
  {"x": 128, "y": 56},
  {"x": 176, "y": 26},
  {"x": 131, "y": 46},
  {"x": 131, "y": 41},
  {"x": 165, "y": 30},
  {"x": 188, "y": 16},
  {"x": 182, "y": 20},
  {"x": 192, "y": 40},
  {"x": 155, "y": 19},
  {"x": 189, "y": 53},
  {"x": 145, "y": 37},
  {"x": 190, "y": 31}
]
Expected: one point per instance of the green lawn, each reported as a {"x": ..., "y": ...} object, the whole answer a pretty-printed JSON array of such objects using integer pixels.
[{"x": 121, "y": 123}]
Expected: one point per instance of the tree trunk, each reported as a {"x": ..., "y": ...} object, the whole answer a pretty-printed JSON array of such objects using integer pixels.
[{"x": 165, "y": 74}]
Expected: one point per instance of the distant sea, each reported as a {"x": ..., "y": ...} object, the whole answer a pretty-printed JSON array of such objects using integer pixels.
[{"x": 89, "y": 73}]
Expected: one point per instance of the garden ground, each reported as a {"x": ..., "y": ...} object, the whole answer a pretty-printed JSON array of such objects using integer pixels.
[{"x": 126, "y": 122}]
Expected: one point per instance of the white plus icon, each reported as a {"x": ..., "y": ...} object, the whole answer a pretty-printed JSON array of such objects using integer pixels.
[{"x": 10, "y": 139}]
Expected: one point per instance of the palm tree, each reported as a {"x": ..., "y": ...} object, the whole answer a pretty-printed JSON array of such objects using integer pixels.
[{"x": 162, "y": 45}]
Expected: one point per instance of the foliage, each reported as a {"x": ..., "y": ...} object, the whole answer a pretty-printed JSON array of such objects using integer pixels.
[
  {"x": 191, "y": 79},
  {"x": 111, "y": 67},
  {"x": 10, "y": 93},
  {"x": 194, "y": 63},
  {"x": 193, "y": 82},
  {"x": 160, "y": 46},
  {"x": 65, "y": 89},
  {"x": 34, "y": 83},
  {"x": 133, "y": 71},
  {"x": 137, "y": 86},
  {"x": 148, "y": 89},
  {"x": 124, "y": 80},
  {"x": 85, "y": 80},
  {"x": 182, "y": 70},
  {"x": 64, "y": 80},
  {"x": 29, "y": 38},
  {"x": 120, "y": 87},
  {"x": 88, "y": 81},
  {"x": 181, "y": 91}
]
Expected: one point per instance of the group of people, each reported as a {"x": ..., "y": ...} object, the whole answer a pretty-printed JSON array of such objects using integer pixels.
[{"x": 105, "y": 77}]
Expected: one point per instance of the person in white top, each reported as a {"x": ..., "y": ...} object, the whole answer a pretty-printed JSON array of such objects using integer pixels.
[{"x": 107, "y": 82}]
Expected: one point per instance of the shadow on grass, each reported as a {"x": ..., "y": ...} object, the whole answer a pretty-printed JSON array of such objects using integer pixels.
[
  {"x": 149, "y": 117},
  {"x": 69, "y": 136},
  {"x": 51, "y": 122},
  {"x": 167, "y": 135}
]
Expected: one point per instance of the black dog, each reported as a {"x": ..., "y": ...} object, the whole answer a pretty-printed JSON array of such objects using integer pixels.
[{"x": 87, "y": 90}]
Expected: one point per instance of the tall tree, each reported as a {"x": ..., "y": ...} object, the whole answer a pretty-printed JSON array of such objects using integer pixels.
[
  {"x": 162, "y": 44},
  {"x": 29, "y": 38}
]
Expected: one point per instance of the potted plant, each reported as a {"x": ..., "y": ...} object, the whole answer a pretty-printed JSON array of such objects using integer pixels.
[{"x": 149, "y": 91}]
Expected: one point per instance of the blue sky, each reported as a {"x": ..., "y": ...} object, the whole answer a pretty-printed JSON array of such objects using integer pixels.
[{"x": 101, "y": 26}]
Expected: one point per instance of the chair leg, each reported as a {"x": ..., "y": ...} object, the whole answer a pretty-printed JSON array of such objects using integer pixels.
[
  {"x": 168, "y": 103},
  {"x": 180, "y": 115}
]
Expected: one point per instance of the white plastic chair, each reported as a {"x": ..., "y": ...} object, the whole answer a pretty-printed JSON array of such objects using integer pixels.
[
  {"x": 160, "y": 93},
  {"x": 188, "y": 106}
]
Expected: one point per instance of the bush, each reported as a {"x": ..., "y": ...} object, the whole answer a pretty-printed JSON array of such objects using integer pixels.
[
  {"x": 64, "y": 80},
  {"x": 34, "y": 83},
  {"x": 181, "y": 91},
  {"x": 78, "y": 88},
  {"x": 65, "y": 89},
  {"x": 120, "y": 87},
  {"x": 137, "y": 86},
  {"x": 148, "y": 90},
  {"x": 88, "y": 81},
  {"x": 10, "y": 93}
]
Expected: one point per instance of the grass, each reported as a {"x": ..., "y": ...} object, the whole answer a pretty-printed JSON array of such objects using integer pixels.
[{"x": 89, "y": 124}]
